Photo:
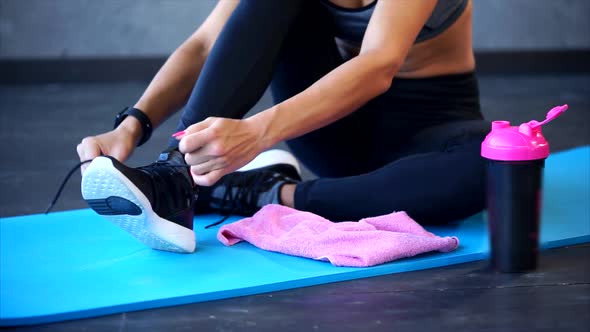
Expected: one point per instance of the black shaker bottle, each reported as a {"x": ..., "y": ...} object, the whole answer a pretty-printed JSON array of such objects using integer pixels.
[{"x": 516, "y": 159}]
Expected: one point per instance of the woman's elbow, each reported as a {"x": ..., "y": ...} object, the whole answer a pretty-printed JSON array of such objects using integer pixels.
[{"x": 386, "y": 68}]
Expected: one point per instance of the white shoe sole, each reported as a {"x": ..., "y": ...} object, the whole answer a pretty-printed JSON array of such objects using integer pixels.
[
  {"x": 272, "y": 157},
  {"x": 103, "y": 184}
]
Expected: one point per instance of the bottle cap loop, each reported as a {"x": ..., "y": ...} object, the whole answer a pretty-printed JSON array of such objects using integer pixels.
[{"x": 523, "y": 142}]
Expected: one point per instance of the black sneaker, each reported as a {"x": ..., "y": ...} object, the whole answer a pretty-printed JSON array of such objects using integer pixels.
[
  {"x": 247, "y": 190},
  {"x": 153, "y": 203}
]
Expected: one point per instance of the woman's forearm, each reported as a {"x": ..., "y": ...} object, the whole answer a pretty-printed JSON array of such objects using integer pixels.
[{"x": 334, "y": 96}]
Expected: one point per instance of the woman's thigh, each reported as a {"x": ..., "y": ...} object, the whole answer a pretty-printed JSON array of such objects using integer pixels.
[
  {"x": 414, "y": 116},
  {"x": 422, "y": 115},
  {"x": 240, "y": 65}
]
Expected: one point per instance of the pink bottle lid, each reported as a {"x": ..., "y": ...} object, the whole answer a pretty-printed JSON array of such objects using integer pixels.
[{"x": 524, "y": 142}]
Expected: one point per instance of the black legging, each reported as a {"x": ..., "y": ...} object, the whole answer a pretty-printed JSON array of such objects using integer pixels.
[{"x": 414, "y": 148}]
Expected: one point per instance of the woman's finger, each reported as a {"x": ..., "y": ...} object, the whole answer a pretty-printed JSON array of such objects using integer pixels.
[
  {"x": 197, "y": 157},
  {"x": 88, "y": 149},
  {"x": 212, "y": 150},
  {"x": 195, "y": 128},
  {"x": 192, "y": 142},
  {"x": 209, "y": 166},
  {"x": 208, "y": 179}
]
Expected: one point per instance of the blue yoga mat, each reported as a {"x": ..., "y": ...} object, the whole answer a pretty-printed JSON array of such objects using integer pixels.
[{"x": 75, "y": 264}]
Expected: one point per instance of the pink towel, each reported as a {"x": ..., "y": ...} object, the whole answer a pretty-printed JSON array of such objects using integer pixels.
[{"x": 368, "y": 242}]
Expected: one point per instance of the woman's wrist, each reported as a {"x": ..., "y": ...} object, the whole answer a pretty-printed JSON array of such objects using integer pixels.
[
  {"x": 131, "y": 127},
  {"x": 263, "y": 125}
]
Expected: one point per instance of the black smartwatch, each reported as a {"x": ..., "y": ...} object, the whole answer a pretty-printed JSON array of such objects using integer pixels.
[{"x": 145, "y": 122}]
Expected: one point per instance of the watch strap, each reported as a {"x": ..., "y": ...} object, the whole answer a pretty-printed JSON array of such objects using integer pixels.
[{"x": 146, "y": 124}]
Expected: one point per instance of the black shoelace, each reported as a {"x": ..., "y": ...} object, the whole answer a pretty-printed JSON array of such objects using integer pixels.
[
  {"x": 161, "y": 174},
  {"x": 245, "y": 197},
  {"x": 63, "y": 184}
]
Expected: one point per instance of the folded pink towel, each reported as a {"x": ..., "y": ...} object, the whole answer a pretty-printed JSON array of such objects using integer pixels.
[{"x": 368, "y": 242}]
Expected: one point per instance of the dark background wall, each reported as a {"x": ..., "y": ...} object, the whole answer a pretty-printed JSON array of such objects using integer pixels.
[{"x": 67, "y": 29}]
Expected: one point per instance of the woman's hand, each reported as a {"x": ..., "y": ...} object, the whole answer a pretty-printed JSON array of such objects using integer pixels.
[
  {"x": 118, "y": 143},
  {"x": 218, "y": 146}
]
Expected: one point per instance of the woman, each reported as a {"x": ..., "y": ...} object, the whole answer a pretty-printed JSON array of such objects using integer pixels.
[{"x": 377, "y": 98}]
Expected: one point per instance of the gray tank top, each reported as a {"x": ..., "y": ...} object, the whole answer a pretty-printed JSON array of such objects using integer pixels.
[{"x": 350, "y": 24}]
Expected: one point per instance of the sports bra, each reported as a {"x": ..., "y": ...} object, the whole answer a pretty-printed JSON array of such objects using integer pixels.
[{"x": 350, "y": 24}]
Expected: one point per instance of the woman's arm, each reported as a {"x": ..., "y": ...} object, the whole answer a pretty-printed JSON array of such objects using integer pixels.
[
  {"x": 390, "y": 34},
  {"x": 166, "y": 93},
  {"x": 217, "y": 146}
]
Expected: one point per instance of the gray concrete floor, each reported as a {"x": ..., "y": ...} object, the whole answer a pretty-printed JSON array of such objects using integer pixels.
[{"x": 40, "y": 126}]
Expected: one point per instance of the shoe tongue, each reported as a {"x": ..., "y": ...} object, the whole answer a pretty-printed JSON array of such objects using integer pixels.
[{"x": 172, "y": 156}]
